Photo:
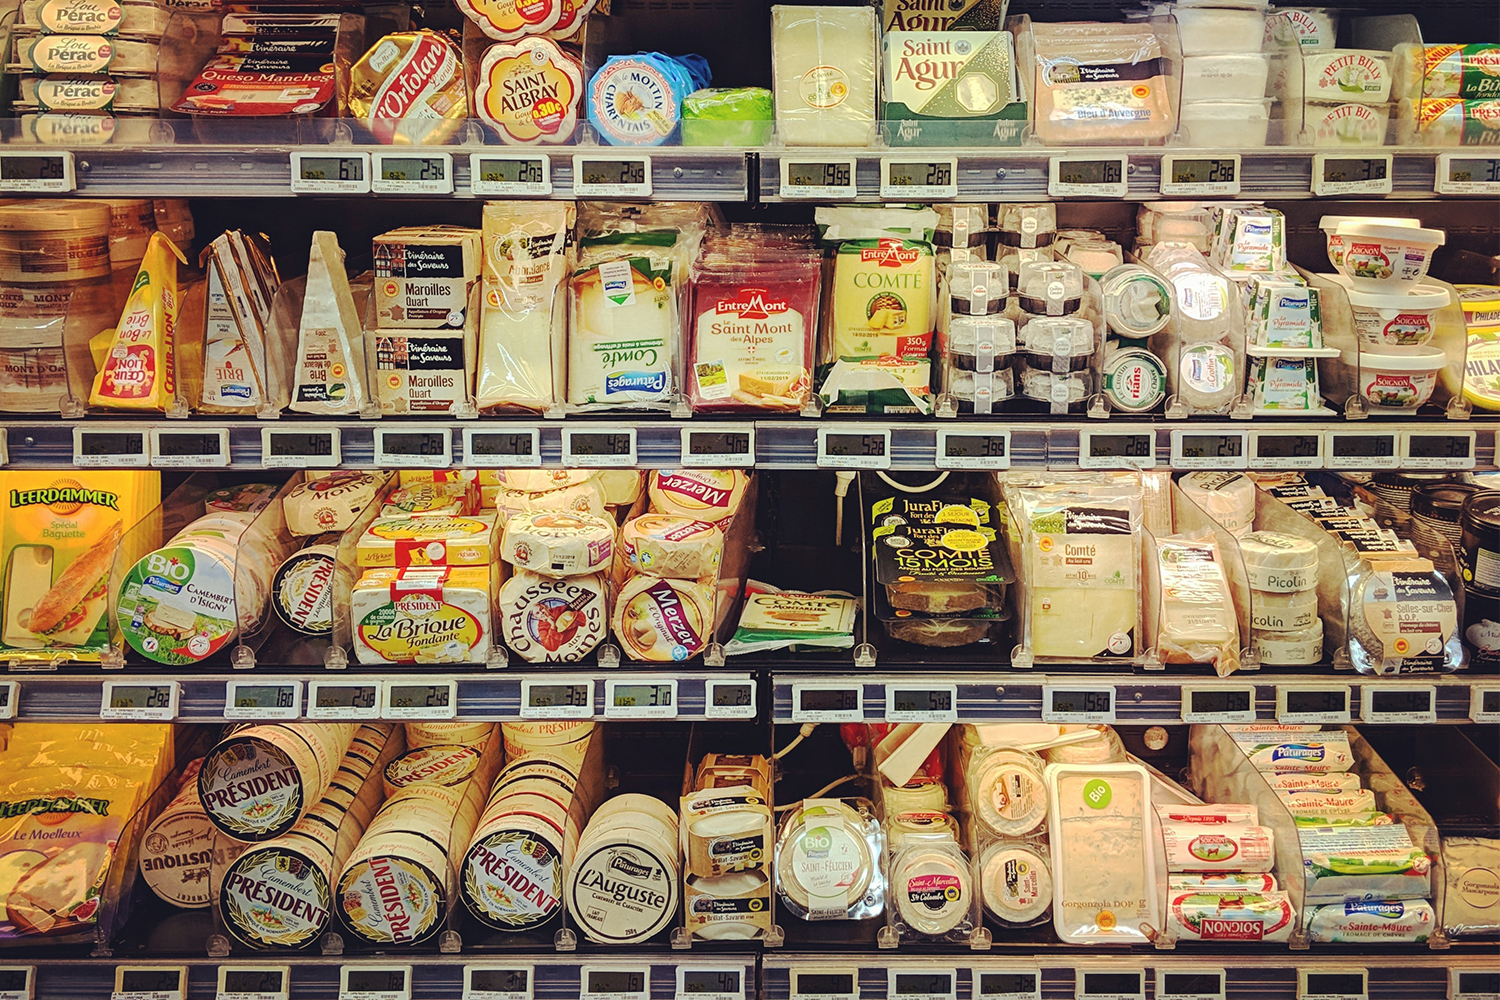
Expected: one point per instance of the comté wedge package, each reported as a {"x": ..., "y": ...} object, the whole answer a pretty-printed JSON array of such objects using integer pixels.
[
  {"x": 67, "y": 797},
  {"x": 136, "y": 362},
  {"x": 59, "y": 532}
]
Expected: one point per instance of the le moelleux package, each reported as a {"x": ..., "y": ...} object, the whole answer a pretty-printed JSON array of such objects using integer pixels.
[{"x": 58, "y": 535}]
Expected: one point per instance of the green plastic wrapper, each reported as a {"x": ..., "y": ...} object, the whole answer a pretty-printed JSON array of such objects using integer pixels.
[{"x": 727, "y": 116}]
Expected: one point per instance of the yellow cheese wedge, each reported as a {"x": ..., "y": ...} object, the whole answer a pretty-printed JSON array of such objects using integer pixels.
[{"x": 138, "y": 370}]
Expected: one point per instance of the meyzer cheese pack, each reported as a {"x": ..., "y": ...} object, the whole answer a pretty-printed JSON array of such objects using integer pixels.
[{"x": 59, "y": 533}]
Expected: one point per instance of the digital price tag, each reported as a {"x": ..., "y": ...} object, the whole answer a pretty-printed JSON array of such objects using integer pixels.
[
  {"x": 1007, "y": 985},
  {"x": 421, "y": 699},
  {"x": 199, "y": 448},
  {"x": 612, "y": 176},
  {"x": 922, "y": 984},
  {"x": 719, "y": 446},
  {"x": 825, "y": 702},
  {"x": 1196, "y": 983},
  {"x": 412, "y": 173},
  {"x": 330, "y": 173},
  {"x": 111, "y": 446},
  {"x": 413, "y": 447},
  {"x": 1484, "y": 704},
  {"x": 300, "y": 449},
  {"x": 343, "y": 700},
  {"x": 10, "y": 700},
  {"x": 828, "y": 179},
  {"x": 624, "y": 983},
  {"x": 263, "y": 700},
  {"x": 37, "y": 172},
  {"x": 1361, "y": 450},
  {"x": 1100, "y": 984},
  {"x": 908, "y": 702},
  {"x": 1088, "y": 176},
  {"x": 1298, "y": 705},
  {"x": 1397, "y": 704},
  {"x": 502, "y": 449},
  {"x": 140, "y": 701},
  {"x": 1218, "y": 174},
  {"x": 1466, "y": 173},
  {"x": 825, "y": 984},
  {"x": 499, "y": 982},
  {"x": 918, "y": 178},
  {"x": 1333, "y": 984},
  {"x": 375, "y": 982},
  {"x": 1116, "y": 449},
  {"x": 640, "y": 699},
  {"x": 17, "y": 982},
  {"x": 562, "y": 698},
  {"x": 254, "y": 982},
  {"x": 526, "y": 175},
  {"x": 1221, "y": 703},
  {"x": 1286, "y": 450},
  {"x": 1210, "y": 449},
  {"x": 862, "y": 447},
  {"x": 1087, "y": 703},
  {"x": 729, "y": 700},
  {"x": 1437, "y": 449},
  {"x": 598, "y": 447},
  {"x": 973, "y": 449},
  {"x": 150, "y": 982},
  {"x": 710, "y": 983},
  {"x": 1342, "y": 174},
  {"x": 1474, "y": 984}
]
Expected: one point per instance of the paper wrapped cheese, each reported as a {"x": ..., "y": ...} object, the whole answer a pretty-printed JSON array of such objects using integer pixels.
[
  {"x": 522, "y": 342},
  {"x": 507, "y": 20},
  {"x": 824, "y": 64},
  {"x": 542, "y": 480},
  {"x": 1202, "y": 914},
  {"x": 328, "y": 503},
  {"x": 551, "y": 620},
  {"x": 529, "y": 91},
  {"x": 559, "y": 543},
  {"x": 586, "y": 497},
  {"x": 1294, "y": 748},
  {"x": 705, "y": 494},
  {"x": 663, "y": 621},
  {"x": 330, "y": 375},
  {"x": 1279, "y": 563},
  {"x": 456, "y": 498},
  {"x": 672, "y": 545},
  {"x": 1197, "y": 620},
  {"x": 137, "y": 360},
  {"x": 1227, "y": 497},
  {"x": 409, "y": 88}
]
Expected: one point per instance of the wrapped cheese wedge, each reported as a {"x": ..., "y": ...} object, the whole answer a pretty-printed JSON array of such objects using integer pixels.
[{"x": 137, "y": 361}]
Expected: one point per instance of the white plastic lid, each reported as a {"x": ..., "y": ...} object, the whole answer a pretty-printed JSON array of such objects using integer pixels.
[
  {"x": 1385, "y": 231},
  {"x": 1422, "y": 359},
  {"x": 1421, "y": 297},
  {"x": 1329, "y": 223}
]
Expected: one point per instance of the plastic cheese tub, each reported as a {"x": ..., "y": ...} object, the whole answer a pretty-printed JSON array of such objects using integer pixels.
[
  {"x": 1330, "y": 226},
  {"x": 1227, "y": 124},
  {"x": 1398, "y": 383},
  {"x": 1206, "y": 30},
  {"x": 1229, "y": 76},
  {"x": 1396, "y": 322},
  {"x": 1385, "y": 258},
  {"x": 1345, "y": 123}
]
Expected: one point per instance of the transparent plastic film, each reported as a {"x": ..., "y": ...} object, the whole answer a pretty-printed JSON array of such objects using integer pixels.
[
  {"x": 826, "y": 70},
  {"x": 135, "y": 362},
  {"x": 245, "y": 358},
  {"x": 1193, "y": 521},
  {"x": 1139, "y": 66},
  {"x": 324, "y": 313}
]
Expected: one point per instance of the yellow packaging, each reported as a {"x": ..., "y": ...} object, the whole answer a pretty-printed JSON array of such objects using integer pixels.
[
  {"x": 438, "y": 540},
  {"x": 434, "y": 614},
  {"x": 67, "y": 795},
  {"x": 136, "y": 361},
  {"x": 882, "y": 299},
  {"x": 59, "y": 532}
]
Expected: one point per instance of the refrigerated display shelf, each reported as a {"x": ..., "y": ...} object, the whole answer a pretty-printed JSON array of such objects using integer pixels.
[{"x": 661, "y": 442}]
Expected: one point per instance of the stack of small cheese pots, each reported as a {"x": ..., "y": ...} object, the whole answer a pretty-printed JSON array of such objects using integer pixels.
[
  {"x": 726, "y": 835},
  {"x": 1283, "y": 574},
  {"x": 623, "y": 883}
]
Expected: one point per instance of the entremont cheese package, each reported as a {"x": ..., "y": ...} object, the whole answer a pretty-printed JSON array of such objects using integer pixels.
[{"x": 59, "y": 532}]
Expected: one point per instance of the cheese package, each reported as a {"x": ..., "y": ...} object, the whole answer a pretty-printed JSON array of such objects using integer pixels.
[
  {"x": 883, "y": 291},
  {"x": 241, "y": 282},
  {"x": 622, "y": 487},
  {"x": 727, "y": 907},
  {"x": 828, "y": 860},
  {"x": 558, "y": 543},
  {"x": 179, "y": 848},
  {"x": 546, "y": 619},
  {"x": 623, "y": 333},
  {"x": 1215, "y": 847},
  {"x": 429, "y": 541},
  {"x": 1403, "y": 618},
  {"x": 1332, "y": 783},
  {"x": 1360, "y": 863},
  {"x": 423, "y": 276},
  {"x": 506, "y": 20},
  {"x": 330, "y": 373},
  {"x": 67, "y": 799},
  {"x": 725, "y": 829},
  {"x": 661, "y": 620},
  {"x": 302, "y": 590},
  {"x": 455, "y": 498},
  {"x": 424, "y": 371},
  {"x": 58, "y": 539},
  {"x": 1279, "y": 563},
  {"x": 1372, "y": 922},
  {"x": 410, "y": 88},
  {"x": 266, "y": 65},
  {"x": 1294, "y": 748},
  {"x": 703, "y": 494},
  {"x": 824, "y": 67},
  {"x": 1226, "y": 497},
  {"x": 537, "y": 480},
  {"x": 1309, "y": 802},
  {"x": 259, "y": 781},
  {"x": 1471, "y": 904},
  {"x": 522, "y": 337},
  {"x": 328, "y": 503},
  {"x": 672, "y": 545},
  {"x": 586, "y": 497},
  {"x": 1197, "y": 620},
  {"x": 950, "y": 88},
  {"x": 1203, "y": 914},
  {"x": 1102, "y": 859},
  {"x": 431, "y": 614},
  {"x": 529, "y": 91},
  {"x": 1102, "y": 83},
  {"x": 136, "y": 361},
  {"x": 1015, "y": 882},
  {"x": 937, "y": 557}
]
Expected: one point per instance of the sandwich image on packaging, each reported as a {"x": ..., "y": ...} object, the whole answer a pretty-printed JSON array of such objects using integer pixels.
[{"x": 68, "y": 611}]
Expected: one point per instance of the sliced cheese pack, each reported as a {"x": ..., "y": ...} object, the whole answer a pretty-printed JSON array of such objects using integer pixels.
[
  {"x": 330, "y": 374},
  {"x": 545, "y": 619},
  {"x": 433, "y": 614},
  {"x": 522, "y": 329},
  {"x": 663, "y": 621},
  {"x": 623, "y": 334},
  {"x": 136, "y": 362},
  {"x": 559, "y": 543}
]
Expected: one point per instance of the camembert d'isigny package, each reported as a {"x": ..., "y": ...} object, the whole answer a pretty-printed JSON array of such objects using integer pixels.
[{"x": 59, "y": 533}]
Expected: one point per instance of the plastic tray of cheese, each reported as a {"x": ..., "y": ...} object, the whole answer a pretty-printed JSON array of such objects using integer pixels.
[{"x": 986, "y": 623}]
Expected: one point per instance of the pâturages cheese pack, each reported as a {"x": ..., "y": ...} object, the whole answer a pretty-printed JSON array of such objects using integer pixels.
[{"x": 59, "y": 532}]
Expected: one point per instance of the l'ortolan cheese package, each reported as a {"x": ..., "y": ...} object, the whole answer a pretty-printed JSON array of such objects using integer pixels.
[{"x": 59, "y": 532}]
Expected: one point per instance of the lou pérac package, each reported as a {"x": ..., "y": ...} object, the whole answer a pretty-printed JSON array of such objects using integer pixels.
[{"x": 58, "y": 536}]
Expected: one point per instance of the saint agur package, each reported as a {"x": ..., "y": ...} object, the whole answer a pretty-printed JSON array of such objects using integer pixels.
[{"x": 59, "y": 533}]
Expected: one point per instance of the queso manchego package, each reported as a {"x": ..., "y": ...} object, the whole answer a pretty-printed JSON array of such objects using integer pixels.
[
  {"x": 67, "y": 795},
  {"x": 59, "y": 532}
]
